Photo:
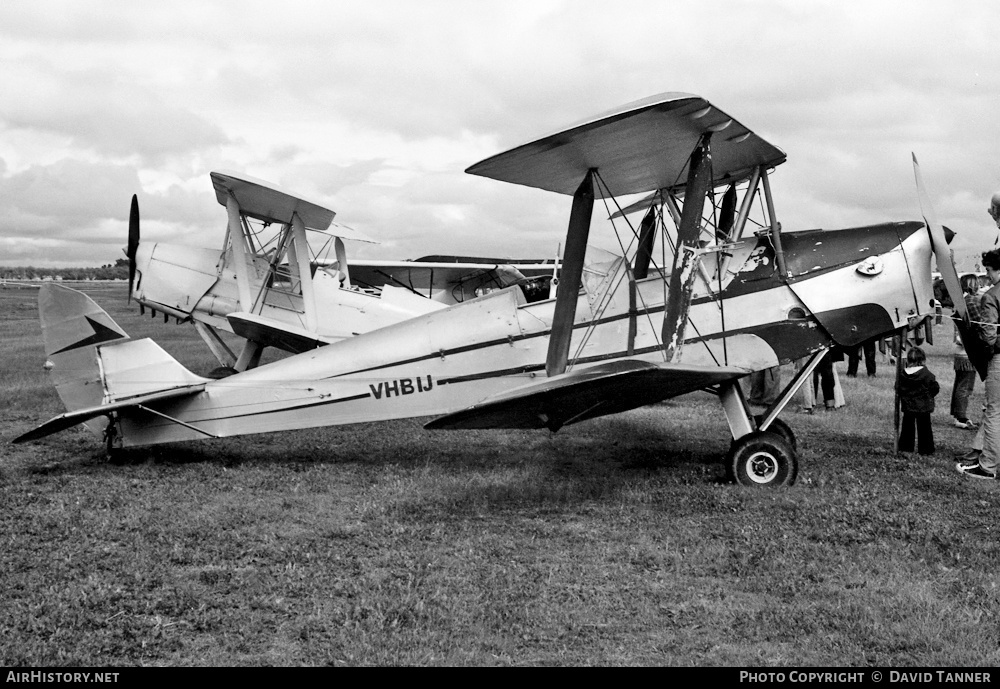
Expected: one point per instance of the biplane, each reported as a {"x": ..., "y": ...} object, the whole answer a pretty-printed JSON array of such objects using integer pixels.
[
  {"x": 271, "y": 286},
  {"x": 724, "y": 293}
]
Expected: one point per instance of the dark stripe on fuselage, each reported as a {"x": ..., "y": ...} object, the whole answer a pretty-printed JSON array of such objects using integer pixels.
[
  {"x": 789, "y": 340},
  {"x": 492, "y": 343}
]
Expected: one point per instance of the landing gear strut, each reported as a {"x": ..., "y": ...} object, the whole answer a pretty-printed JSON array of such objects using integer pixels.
[{"x": 764, "y": 450}]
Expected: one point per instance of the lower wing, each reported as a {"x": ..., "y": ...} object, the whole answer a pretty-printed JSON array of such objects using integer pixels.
[{"x": 587, "y": 393}]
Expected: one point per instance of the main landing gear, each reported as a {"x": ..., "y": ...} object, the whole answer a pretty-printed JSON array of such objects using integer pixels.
[
  {"x": 762, "y": 458},
  {"x": 764, "y": 452}
]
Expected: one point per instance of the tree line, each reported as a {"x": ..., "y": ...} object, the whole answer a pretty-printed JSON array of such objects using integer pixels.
[{"x": 111, "y": 271}]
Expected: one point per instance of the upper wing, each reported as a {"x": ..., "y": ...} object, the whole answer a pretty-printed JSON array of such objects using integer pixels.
[
  {"x": 270, "y": 203},
  {"x": 587, "y": 393},
  {"x": 636, "y": 148}
]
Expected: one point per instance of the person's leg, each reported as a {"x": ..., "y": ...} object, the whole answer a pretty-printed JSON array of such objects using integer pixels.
[
  {"x": 960, "y": 393},
  {"x": 756, "y": 392},
  {"x": 977, "y": 442},
  {"x": 956, "y": 400},
  {"x": 838, "y": 389},
  {"x": 925, "y": 434},
  {"x": 869, "y": 351},
  {"x": 990, "y": 458},
  {"x": 853, "y": 357},
  {"x": 772, "y": 385},
  {"x": 807, "y": 393},
  {"x": 906, "y": 432},
  {"x": 826, "y": 382}
]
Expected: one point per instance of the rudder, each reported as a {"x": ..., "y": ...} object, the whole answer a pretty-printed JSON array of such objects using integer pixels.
[{"x": 72, "y": 327}]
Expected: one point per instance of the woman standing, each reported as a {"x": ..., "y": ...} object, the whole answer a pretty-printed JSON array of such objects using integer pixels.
[
  {"x": 989, "y": 317},
  {"x": 965, "y": 372}
]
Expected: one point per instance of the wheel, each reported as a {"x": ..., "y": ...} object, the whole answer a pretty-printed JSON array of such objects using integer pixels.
[
  {"x": 762, "y": 459},
  {"x": 783, "y": 429}
]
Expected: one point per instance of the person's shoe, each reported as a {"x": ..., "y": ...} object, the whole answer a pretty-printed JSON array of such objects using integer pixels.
[
  {"x": 965, "y": 425},
  {"x": 975, "y": 471}
]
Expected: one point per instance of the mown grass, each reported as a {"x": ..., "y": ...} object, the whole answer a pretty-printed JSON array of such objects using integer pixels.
[{"x": 615, "y": 542}]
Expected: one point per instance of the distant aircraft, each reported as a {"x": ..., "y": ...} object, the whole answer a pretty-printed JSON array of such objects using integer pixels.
[
  {"x": 725, "y": 293},
  {"x": 266, "y": 285}
]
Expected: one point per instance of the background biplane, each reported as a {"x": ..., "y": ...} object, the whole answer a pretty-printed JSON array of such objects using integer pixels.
[
  {"x": 271, "y": 286},
  {"x": 725, "y": 293}
]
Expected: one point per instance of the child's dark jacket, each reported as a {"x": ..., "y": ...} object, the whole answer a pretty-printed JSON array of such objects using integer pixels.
[{"x": 917, "y": 390}]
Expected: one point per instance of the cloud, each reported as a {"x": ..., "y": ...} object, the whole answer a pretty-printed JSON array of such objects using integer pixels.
[
  {"x": 76, "y": 213},
  {"x": 94, "y": 110},
  {"x": 376, "y": 107}
]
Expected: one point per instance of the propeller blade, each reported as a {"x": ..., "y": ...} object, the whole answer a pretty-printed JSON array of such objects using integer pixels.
[
  {"x": 945, "y": 263},
  {"x": 133, "y": 243},
  {"x": 975, "y": 348}
]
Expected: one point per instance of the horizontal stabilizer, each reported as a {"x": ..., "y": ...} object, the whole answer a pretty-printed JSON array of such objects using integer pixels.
[
  {"x": 72, "y": 418},
  {"x": 141, "y": 367},
  {"x": 585, "y": 394},
  {"x": 96, "y": 368}
]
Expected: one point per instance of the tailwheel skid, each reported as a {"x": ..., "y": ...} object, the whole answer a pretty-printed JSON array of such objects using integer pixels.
[
  {"x": 762, "y": 459},
  {"x": 112, "y": 439}
]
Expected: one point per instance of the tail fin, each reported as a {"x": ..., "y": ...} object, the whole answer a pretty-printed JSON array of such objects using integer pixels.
[
  {"x": 96, "y": 368},
  {"x": 72, "y": 327}
]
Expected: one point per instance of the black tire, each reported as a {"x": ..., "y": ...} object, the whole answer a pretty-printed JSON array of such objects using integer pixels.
[
  {"x": 762, "y": 459},
  {"x": 783, "y": 429}
]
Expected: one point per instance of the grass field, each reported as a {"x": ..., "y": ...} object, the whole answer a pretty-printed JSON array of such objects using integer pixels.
[{"x": 614, "y": 542}]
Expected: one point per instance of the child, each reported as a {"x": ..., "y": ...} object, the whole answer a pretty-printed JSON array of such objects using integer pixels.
[{"x": 916, "y": 387}]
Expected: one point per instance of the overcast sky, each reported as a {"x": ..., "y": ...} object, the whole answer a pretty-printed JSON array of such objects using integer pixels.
[{"x": 375, "y": 108}]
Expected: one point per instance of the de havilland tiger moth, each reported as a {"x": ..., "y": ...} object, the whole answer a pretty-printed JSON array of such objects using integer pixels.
[
  {"x": 726, "y": 293},
  {"x": 270, "y": 286}
]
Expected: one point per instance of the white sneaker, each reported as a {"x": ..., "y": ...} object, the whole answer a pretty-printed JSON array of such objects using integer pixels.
[{"x": 974, "y": 471}]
